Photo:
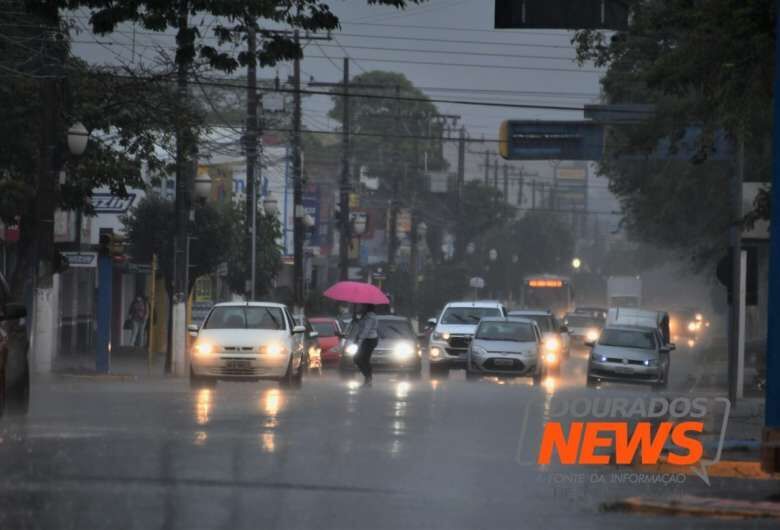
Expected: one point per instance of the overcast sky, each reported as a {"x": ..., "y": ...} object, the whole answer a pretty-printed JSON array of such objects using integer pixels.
[{"x": 522, "y": 67}]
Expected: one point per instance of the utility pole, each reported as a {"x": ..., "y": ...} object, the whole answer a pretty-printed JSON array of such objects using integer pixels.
[
  {"x": 487, "y": 168},
  {"x": 346, "y": 182},
  {"x": 297, "y": 184},
  {"x": 251, "y": 154},
  {"x": 392, "y": 247},
  {"x": 176, "y": 362},
  {"x": 506, "y": 183},
  {"x": 459, "y": 181},
  {"x": 533, "y": 194}
]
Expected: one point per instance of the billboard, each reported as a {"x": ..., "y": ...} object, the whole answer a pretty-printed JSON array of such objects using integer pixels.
[{"x": 551, "y": 140}]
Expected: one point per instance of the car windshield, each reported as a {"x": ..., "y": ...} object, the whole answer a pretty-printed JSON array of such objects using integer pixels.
[
  {"x": 468, "y": 315},
  {"x": 625, "y": 338},
  {"x": 325, "y": 329},
  {"x": 546, "y": 323},
  {"x": 395, "y": 329},
  {"x": 245, "y": 317},
  {"x": 509, "y": 331},
  {"x": 579, "y": 321}
]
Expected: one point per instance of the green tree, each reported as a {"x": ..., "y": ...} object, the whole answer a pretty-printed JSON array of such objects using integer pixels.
[
  {"x": 268, "y": 257},
  {"x": 706, "y": 65}
]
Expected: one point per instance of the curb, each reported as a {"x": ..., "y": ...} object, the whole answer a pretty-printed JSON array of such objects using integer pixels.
[
  {"x": 697, "y": 506},
  {"x": 98, "y": 377}
]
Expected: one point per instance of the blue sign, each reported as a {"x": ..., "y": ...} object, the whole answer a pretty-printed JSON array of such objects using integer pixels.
[{"x": 551, "y": 140}]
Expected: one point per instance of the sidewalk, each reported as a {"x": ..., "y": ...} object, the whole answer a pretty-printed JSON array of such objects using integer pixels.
[{"x": 126, "y": 362}]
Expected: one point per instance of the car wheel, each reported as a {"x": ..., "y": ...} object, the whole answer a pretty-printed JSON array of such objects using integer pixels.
[
  {"x": 538, "y": 376},
  {"x": 18, "y": 396},
  {"x": 289, "y": 375},
  {"x": 199, "y": 381}
]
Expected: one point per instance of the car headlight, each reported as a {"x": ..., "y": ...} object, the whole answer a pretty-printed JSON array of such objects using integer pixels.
[
  {"x": 592, "y": 335},
  {"x": 599, "y": 358},
  {"x": 403, "y": 350},
  {"x": 692, "y": 326},
  {"x": 435, "y": 352},
  {"x": 351, "y": 350},
  {"x": 550, "y": 357},
  {"x": 273, "y": 349},
  {"x": 203, "y": 349},
  {"x": 441, "y": 336},
  {"x": 651, "y": 362},
  {"x": 552, "y": 344},
  {"x": 699, "y": 317},
  {"x": 691, "y": 343}
]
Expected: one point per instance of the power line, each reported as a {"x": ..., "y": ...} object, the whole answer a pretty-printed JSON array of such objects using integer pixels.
[
  {"x": 450, "y": 28},
  {"x": 454, "y": 52},
  {"x": 455, "y": 41}
]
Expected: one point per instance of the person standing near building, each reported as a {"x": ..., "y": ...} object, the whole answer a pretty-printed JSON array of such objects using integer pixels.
[
  {"x": 368, "y": 337},
  {"x": 138, "y": 315}
]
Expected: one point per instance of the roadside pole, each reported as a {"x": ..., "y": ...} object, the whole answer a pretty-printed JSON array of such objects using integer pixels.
[
  {"x": 298, "y": 212},
  {"x": 770, "y": 446},
  {"x": 149, "y": 326},
  {"x": 345, "y": 230},
  {"x": 741, "y": 325},
  {"x": 251, "y": 154},
  {"x": 735, "y": 237}
]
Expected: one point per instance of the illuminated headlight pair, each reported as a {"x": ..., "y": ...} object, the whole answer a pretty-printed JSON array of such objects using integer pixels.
[{"x": 441, "y": 336}]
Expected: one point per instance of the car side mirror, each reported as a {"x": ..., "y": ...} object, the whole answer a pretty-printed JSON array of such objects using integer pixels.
[
  {"x": 431, "y": 322},
  {"x": 14, "y": 312},
  {"x": 193, "y": 330},
  {"x": 590, "y": 343},
  {"x": 299, "y": 329}
]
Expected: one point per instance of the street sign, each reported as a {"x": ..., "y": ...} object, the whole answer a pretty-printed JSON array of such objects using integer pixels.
[
  {"x": 108, "y": 203},
  {"x": 561, "y": 14},
  {"x": 477, "y": 283},
  {"x": 551, "y": 140},
  {"x": 80, "y": 259}
]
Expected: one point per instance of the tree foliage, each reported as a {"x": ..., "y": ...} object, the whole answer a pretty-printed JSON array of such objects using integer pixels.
[{"x": 706, "y": 65}]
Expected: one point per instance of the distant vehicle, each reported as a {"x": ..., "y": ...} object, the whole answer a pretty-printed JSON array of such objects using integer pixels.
[
  {"x": 595, "y": 312},
  {"x": 506, "y": 347},
  {"x": 687, "y": 325},
  {"x": 396, "y": 350},
  {"x": 330, "y": 333},
  {"x": 247, "y": 340},
  {"x": 624, "y": 291},
  {"x": 449, "y": 342},
  {"x": 583, "y": 327},
  {"x": 629, "y": 354},
  {"x": 645, "y": 318},
  {"x": 14, "y": 348},
  {"x": 311, "y": 345},
  {"x": 556, "y": 341},
  {"x": 548, "y": 292}
]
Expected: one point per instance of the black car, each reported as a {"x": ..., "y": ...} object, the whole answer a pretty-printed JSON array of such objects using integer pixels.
[
  {"x": 14, "y": 347},
  {"x": 398, "y": 348}
]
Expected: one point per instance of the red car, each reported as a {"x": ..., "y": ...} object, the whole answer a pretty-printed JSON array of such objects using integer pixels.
[{"x": 329, "y": 330}]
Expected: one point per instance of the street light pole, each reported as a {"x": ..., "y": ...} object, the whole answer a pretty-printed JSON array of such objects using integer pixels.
[
  {"x": 297, "y": 184},
  {"x": 346, "y": 184}
]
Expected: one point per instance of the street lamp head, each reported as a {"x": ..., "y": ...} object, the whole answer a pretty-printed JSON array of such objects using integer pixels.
[
  {"x": 470, "y": 248},
  {"x": 308, "y": 221},
  {"x": 78, "y": 136},
  {"x": 202, "y": 186},
  {"x": 493, "y": 254},
  {"x": 576, "y": 263}
]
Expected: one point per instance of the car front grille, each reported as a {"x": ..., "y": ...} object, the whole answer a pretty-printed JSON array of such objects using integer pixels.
[{"x": 459, "y": 342}]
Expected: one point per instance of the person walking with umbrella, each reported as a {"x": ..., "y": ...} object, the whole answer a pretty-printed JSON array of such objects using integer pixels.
[{"x": 368, "y": 337}]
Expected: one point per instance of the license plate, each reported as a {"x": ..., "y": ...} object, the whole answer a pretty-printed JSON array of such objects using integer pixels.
[
  {"x": 503, "y": 362},
  {"x": 623, "y": 370},
  {"x": 239, "y": 364}
]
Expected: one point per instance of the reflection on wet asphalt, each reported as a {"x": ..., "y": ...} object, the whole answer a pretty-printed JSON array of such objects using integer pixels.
[{"x": 406, "y": 453}]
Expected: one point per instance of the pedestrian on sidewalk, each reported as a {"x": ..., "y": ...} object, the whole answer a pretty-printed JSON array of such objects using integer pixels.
[
  {"x": 138, "y": 314},
  {"x": 368, "y": 337}
]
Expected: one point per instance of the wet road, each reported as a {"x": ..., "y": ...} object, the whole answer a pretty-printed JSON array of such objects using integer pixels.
[{"x": 407, "y": 453}]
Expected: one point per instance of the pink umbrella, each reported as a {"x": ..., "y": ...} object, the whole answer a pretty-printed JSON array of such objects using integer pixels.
[{"x": 356, "y": 293}]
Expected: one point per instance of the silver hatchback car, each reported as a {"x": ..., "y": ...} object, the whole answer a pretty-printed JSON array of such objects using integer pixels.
[
  {"x": 629, "y": 354},
  {"x": 507, "y": 347}
]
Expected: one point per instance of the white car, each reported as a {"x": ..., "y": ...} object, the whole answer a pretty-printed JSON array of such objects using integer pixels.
[
  {"x": 247, "y": 340},
  {"x": 449, "y": 343}
]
